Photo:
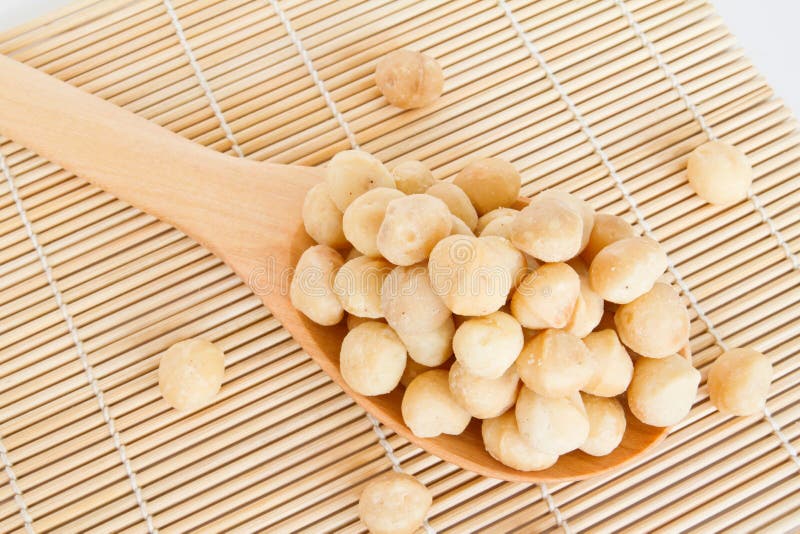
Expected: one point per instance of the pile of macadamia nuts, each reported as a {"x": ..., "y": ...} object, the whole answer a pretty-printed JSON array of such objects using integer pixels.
[{"x": 557, "y": 316}]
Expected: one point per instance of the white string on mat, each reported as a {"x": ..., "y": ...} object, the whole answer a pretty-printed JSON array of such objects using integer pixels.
[
  {"x": 326, "y": 95},
  {"x": 701, "y": 120},
  {"x": 76, "y": 340},
  {"x": 12, "y": 481},
  {"x": 551, "y": 505},
  {"x": 298, "y": 43},
  {"x": 198, "y": 72},
  {"x": 598, "y": 148}
]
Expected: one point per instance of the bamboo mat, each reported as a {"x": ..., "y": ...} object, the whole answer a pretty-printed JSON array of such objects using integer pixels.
[{"x": 602, "y": 98}]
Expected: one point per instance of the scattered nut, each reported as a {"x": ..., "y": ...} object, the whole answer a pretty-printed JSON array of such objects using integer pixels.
[
  {"x": 190, "y": 374},
  {"x": 738, "y": 382},
  {"x": 394, "y": 503},
  {"x": 409, "y": 79},
  {"x": 719, "y": 173}
]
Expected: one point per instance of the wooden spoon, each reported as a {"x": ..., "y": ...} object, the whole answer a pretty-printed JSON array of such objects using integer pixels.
[{"x": 245, "y": 212}]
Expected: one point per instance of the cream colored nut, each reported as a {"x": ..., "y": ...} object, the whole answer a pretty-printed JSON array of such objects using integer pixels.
[
  {"x": 506, "y": 256},
  {"x": 738, "y": 382},
  {"x": 546, "y": 297},
  {"x": 358, "y": 285},
  {"x": 409, "y": 303},
  {"x": 483, "y": 397},
  {"x": 485, "y": 219},
  {"x": 363, "y": 218},
  {"x": 503, "y": 441},
  {"x": 190, "y": 373},
  {"x": 430, "y": 348},
  {"x": 548, "y": 230},
  {"x": 457, "y": 202},
  {"x": 578, "y": 205},
  {"x": 719, "y": 173},
  {"x": 372, "y": 359},
  {"x": 412, "y": 370},
  {"x": 487, "y": 346},
  {"x": 613, "y": 367},
  {"x": 322, "y": 219},
  {"x": 607, "y": 229},
  {"x": 429, "y": 408},
  {"x": 409, "y": 79},
  {"x": 411, "y": 227},
  {"x": 394, "y": 503},
  {"x": 354, "y": 320},
  {"x": 501, "y": 227},
  {"x": 311, "y": 290},
  {"x": 351, "y": 173},
  {"x": 552, "y": 425},
  {"x": 459, "y": 227},
  {"x": 606, "y": 424},
  {"x": 490, "y": 183},
  {"x": 474, "y": 276},
  {"x": 588, "y": 312},
  {"x": 655, "y": 324},
  {"x": 555, "y": 364},
  {"x": 412, "y": 177},
  {"x": 662, "y": 390},
  {"x": 627, "y": 269}
]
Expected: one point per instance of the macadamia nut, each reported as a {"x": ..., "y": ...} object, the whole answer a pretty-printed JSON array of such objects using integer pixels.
[
  {"x": 607, "y": 229},
  {"x": 580, "y": 206},
  {"x": 546, "y": 297},
  {"x": 487, "y": 346},
  {"x": 507, "y": 257},
  {"x": 588, "y": 312},
  {"x": 490, "y": 183},
  {"x": 555, "y": 364},
  {"x": 549, "y": 230},
  {"x": 719, "y": 173},
  {"x": 372, "y": 359},
  {"x": 429, "y": 408},
  {"x": 408, "y": 302},
  {"x": 412, "y": 177},
  {"x": 430, "y": 348},
  {"x": 474, "y": 276},
  {"x": 627, "y": 269},
  {"x": 655, "y": 324},
  {"x": 311, "y": 290},
  {"x": 487, "y": 218},
  {"x": 457, "y": 202},
  {"x": 363, "y": 218},
  {"x": 662, "y": 390},
  {"x": 483, "y": 397},
  {"x": 501, "y": 227},
  {"x": 552, "y": 425},
  {"x": 351, "y": 173},
  {"x": 613, "y": 367},
  {"x": 190, "y": 373},
  {"x": 606, "y": 424},
  {"x": 394, "y": 503},
  {"x": 411, "y": 227},
  {"x": 358, "y": 285},
  {"x": 322, "y": 219},
  {"x": 738, "y": 382},
  {"x": 459, "y": 227},
  {"x": 503, "y": 441},
  {"x": 409, "y": 79}
]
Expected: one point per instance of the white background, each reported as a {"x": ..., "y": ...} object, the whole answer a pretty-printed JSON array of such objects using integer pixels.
[{"x": 767, "y": 29}]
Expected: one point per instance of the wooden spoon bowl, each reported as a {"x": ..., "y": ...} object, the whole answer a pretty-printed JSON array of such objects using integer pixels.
[{"x": 248, "y": 214}]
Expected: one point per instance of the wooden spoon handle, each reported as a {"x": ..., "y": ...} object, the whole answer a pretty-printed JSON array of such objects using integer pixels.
[{"x": 183, "y": 183}]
